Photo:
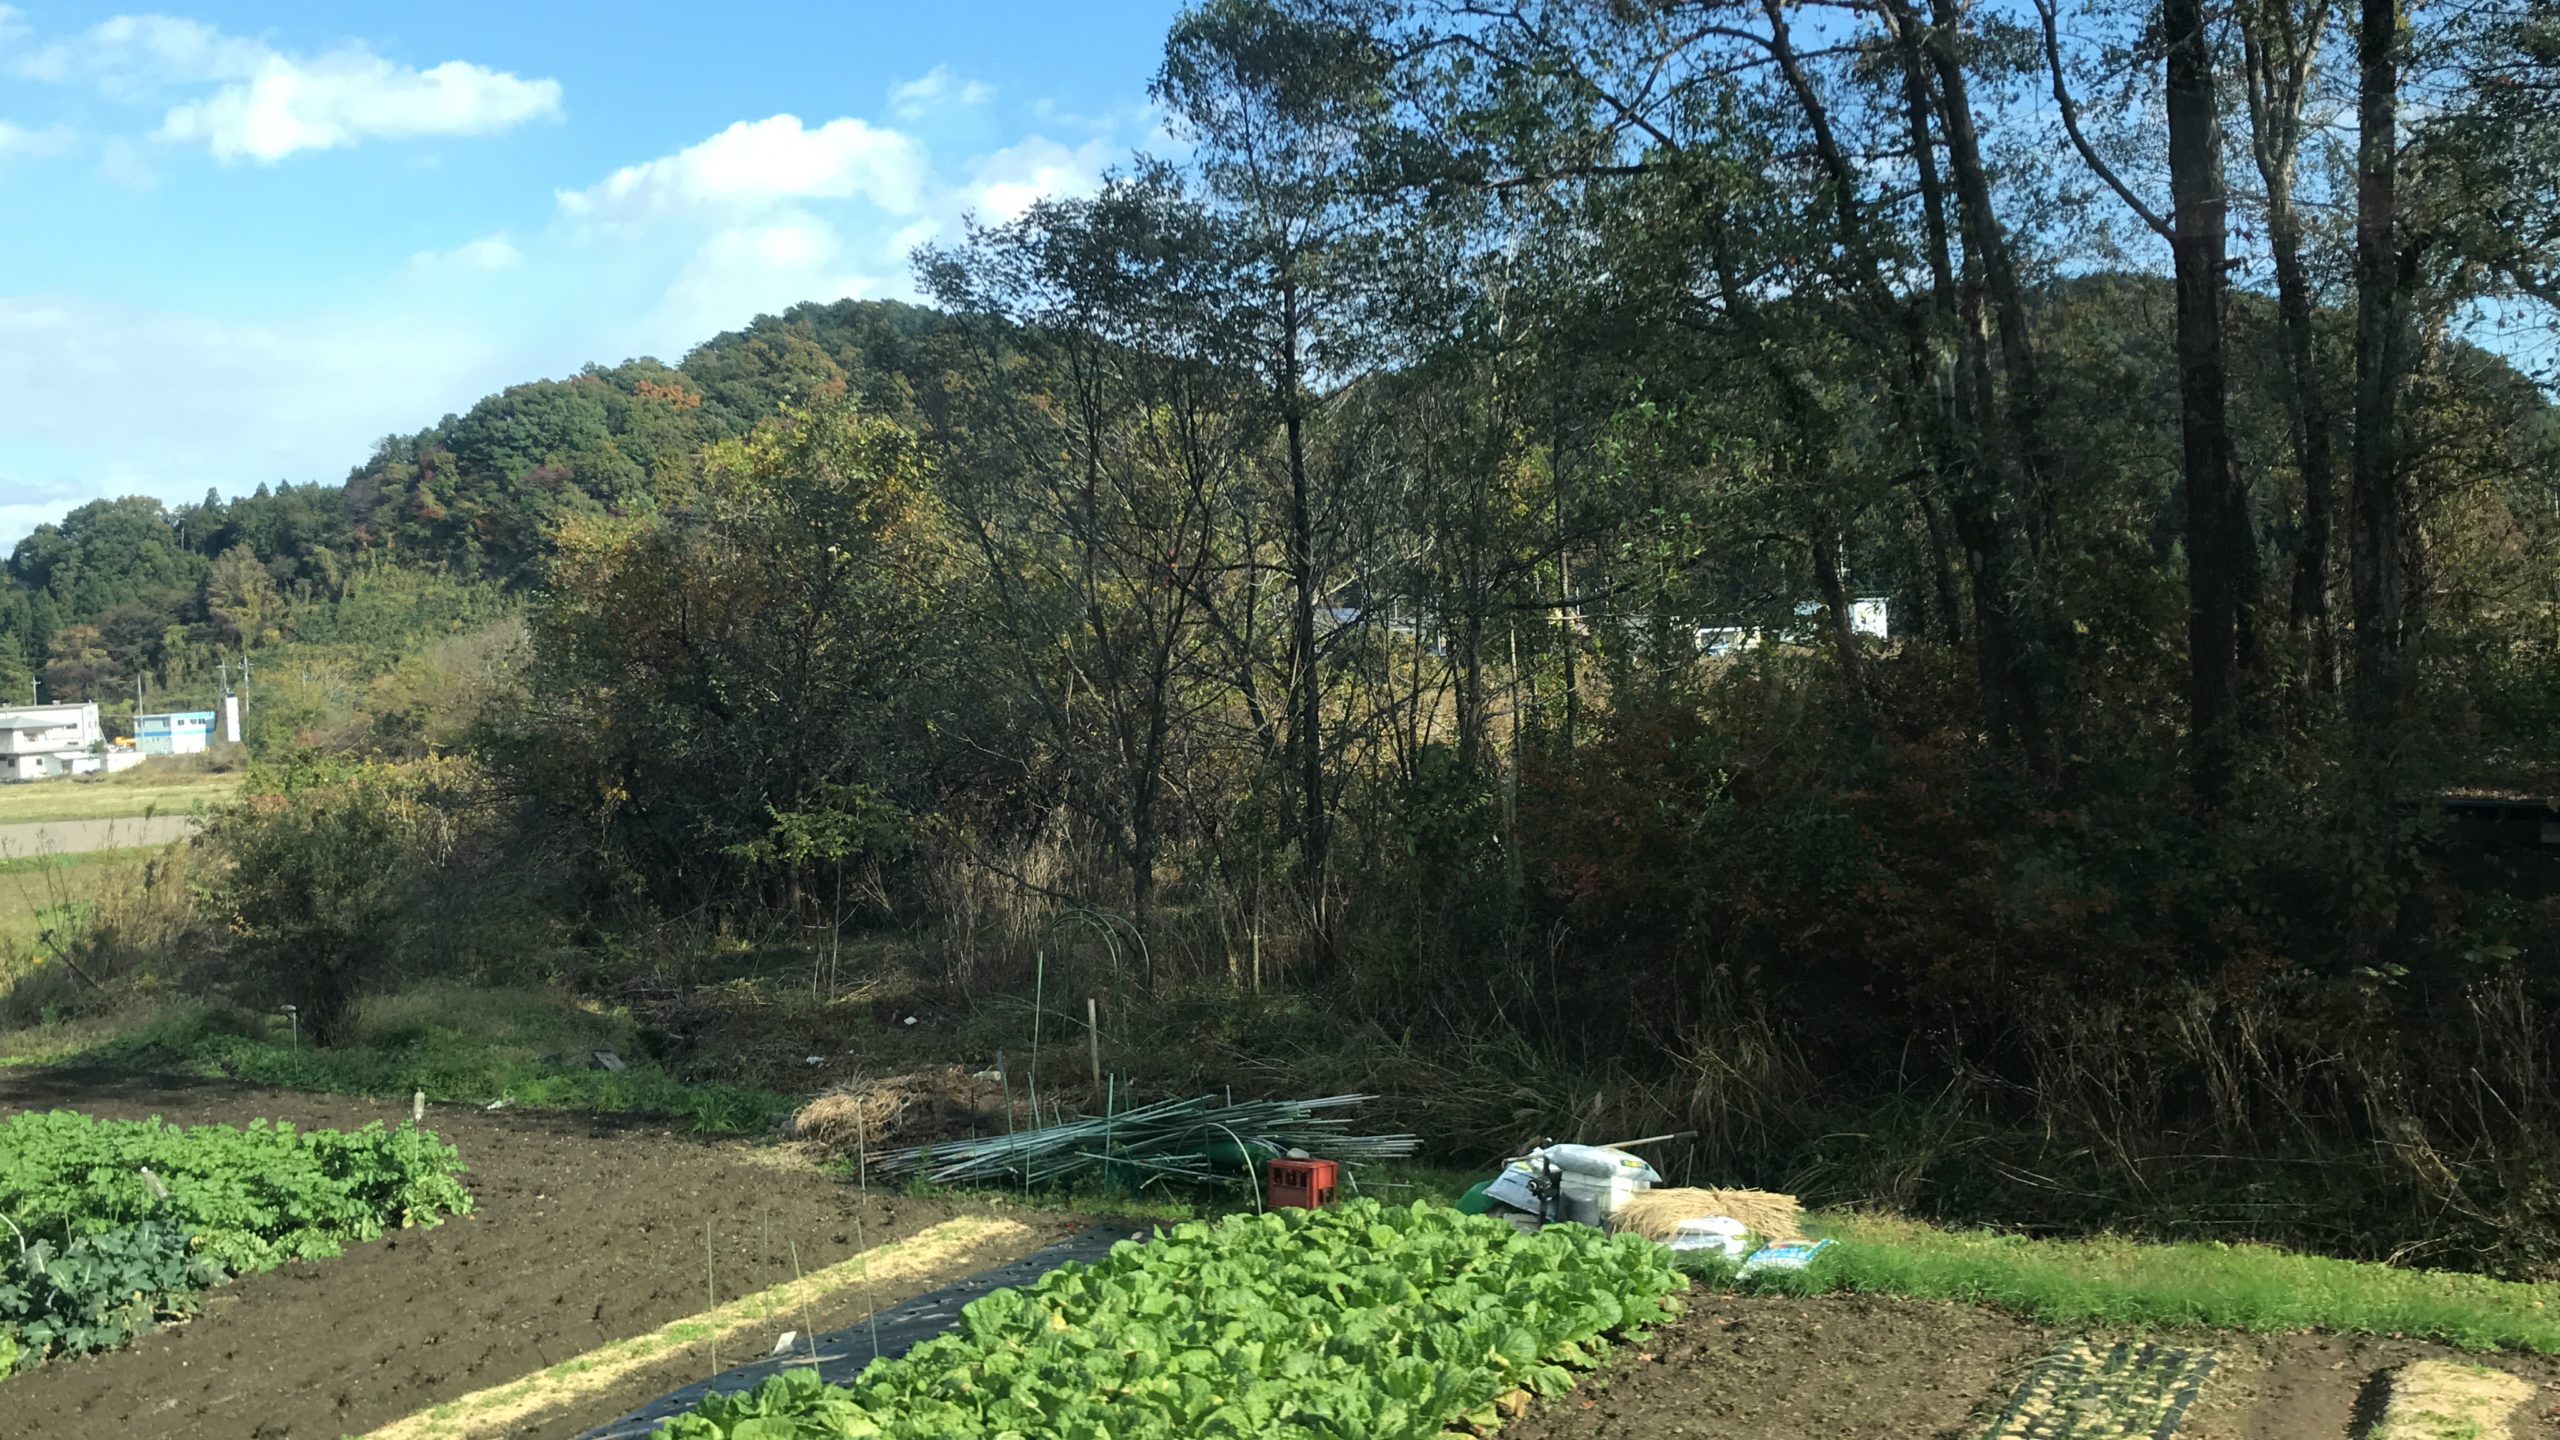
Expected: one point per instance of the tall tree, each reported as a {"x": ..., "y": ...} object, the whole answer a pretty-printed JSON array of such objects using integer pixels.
[
  {"x": 1274, "y": 94},
  {"x": 2280, "y": 45},
  {"x": 2382, "y": 356},
  {"x": 1098, "y": 442},
  {"x": 2222, "y": 553}
]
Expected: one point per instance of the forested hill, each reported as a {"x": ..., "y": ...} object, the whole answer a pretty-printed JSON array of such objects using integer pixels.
[{"x": 128, "y": 588}]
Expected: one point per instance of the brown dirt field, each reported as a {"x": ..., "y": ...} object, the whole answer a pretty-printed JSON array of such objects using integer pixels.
[
  {"x": 1834, "y": 1368},
  {"x": 2316, "y": 1387},
  {"x": 587, "y": 1231},
  {"x": 1868, "y": 1368}
]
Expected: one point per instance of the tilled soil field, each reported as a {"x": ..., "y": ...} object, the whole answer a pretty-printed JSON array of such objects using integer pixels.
[
  {"x": 587, "y": 1231},
  {"x": 1837, "y": 1368},
  {"x": 1868, "y": 1368}
]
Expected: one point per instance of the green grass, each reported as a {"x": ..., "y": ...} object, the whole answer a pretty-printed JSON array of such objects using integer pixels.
[
  {"x": 531, "y": 1048},
  {"x": 2123, "y": 1284},
  {"x": 134, "y": 792}
]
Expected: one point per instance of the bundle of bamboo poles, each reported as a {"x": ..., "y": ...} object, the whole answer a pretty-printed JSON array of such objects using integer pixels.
[{"x": 1199, "y": 1141}]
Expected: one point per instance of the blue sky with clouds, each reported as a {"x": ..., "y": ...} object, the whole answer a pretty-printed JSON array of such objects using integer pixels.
[{"x": 244, "y": 241}]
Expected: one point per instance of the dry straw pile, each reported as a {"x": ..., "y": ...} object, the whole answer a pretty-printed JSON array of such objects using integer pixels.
[
  {"x": 926, "y": 1105},
  {"x": 1658, "y": 1214}
]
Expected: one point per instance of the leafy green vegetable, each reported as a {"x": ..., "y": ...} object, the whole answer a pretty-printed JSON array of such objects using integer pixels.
[
  {"x": 254, "y": 1197},
  {"x": 100, "y": 1291},
  {"x": 112, "y": 1226},
  {"x": 1354, "y": 1323}
]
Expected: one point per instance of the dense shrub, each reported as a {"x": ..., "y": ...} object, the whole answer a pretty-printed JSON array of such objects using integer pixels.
[{"x": 337, "y": 878}]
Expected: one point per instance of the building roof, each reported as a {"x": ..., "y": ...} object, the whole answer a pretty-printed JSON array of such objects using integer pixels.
[{"x": 28, "y": 717}]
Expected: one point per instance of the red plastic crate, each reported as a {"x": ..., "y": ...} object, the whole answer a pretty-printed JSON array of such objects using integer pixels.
[{"x": 1298, "y": 1184}]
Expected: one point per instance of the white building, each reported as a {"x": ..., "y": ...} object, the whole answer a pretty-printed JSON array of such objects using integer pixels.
[
  {"x": 1868, "y": 615},
  {"x": 38, "y": 742},
  {"x": 177, "y": 732}
]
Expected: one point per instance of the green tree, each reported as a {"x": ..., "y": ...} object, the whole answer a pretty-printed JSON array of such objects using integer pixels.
[
  {"x": 767, "y": 636},
  {"x": 1097, "y": 412},
  {"x": 242, "y": 598},
  {"x": 80, "y": 667},
  {"x": 104, "y": 553}
]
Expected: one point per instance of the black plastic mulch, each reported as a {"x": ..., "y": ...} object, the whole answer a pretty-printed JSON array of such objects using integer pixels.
[{"x": 843, "y": 1353}]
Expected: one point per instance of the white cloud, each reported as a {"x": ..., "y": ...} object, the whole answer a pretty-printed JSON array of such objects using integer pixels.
[
  {"x": 13, "y": 23},
  {"x": 489, "y": 252},
  {"x": 351, "y": 95},
  {"x": 756, "y": 268},
  {"x": 133, "y": 57},
  {"x": 769, "y": 213},
  {"x": 269, "y": 104},
  {"x": 916, "y": 97},
  {"x": 756, "y": 164},
  {"x": 1012, "y": 180},
  {"x": 17, "y": 142}
]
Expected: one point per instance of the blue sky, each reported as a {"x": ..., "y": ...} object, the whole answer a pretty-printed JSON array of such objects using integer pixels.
[{"x": 244, "y": 241}]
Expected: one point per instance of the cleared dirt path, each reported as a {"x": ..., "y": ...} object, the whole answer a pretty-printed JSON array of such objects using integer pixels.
[
  {"x": 75, "y": 837},
  {"x": 588, "y": 1231}
]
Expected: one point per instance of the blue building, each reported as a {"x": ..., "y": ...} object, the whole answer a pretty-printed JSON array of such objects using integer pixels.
[{"x": 184, "y": 732}]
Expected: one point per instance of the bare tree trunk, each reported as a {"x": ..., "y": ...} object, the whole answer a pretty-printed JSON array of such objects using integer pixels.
[
  {"x": 1844, "y": 626},
  {"x": 1309, "y": 718},
  {"x": 2221, "y": 548},
  {"x": 2013, "y": 709},
  {"x": 1985, "y": 237},
  {"x": 1952, "y": 411},
  {"x": 2277, "y": 48},
  {"x": 2381, "y": 353},
  {"x": 1942, "y": 568}
]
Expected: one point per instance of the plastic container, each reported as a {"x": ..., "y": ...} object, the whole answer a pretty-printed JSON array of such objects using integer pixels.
[
  {"x": 1596, "y": 1162},
  {"x": 1713, "y": 1234},
  {"x": 1298, "y": 1184},
  {"x": 1592, "y": 1199}
]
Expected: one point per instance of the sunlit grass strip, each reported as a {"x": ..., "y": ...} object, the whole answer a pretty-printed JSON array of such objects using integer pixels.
[
  {"x": 2124, "y": 1283},
  {"x": 502, "y": 1409}
]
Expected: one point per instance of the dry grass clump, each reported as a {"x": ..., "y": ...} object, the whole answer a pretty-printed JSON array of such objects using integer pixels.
[
  {"x": 1657, "y": 1214},
  {"x": 2449, "y": 1400},
  {"x": 901, "y": 1109}
]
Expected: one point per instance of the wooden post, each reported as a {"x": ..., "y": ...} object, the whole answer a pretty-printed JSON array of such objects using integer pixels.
[{"x": 1093, "y": 1032}]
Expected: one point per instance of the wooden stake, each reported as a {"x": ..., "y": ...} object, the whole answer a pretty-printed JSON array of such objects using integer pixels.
[{"x": 1093, "y": 1031}]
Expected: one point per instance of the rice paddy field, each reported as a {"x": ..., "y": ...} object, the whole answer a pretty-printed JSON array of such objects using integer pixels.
[{"x": 141, "y": 791}]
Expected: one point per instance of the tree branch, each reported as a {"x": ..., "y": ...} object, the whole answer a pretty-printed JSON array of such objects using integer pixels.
[{"x": 2071, "y": 124}]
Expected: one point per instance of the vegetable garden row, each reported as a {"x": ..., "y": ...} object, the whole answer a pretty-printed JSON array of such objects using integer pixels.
[
  {"x": 1357, "y": 1321},
  {"x": 113, "y": 1227}
]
